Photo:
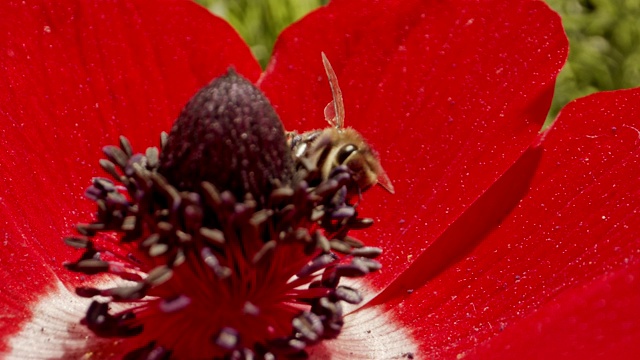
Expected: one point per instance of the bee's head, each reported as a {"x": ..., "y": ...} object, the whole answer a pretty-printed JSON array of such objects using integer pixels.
[
  {"x": 362, "y": 164},
  {"x": 351, "y": 150}
]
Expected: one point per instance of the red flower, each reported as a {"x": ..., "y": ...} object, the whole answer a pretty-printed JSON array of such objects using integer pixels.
[{"x": 499, "y": 242}]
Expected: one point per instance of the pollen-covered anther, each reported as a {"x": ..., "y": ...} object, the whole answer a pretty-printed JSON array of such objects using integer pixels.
[{"x": 203, "y": 272}]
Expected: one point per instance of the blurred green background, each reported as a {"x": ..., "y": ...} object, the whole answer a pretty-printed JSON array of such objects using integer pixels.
[{"x": 604, "y": 37}]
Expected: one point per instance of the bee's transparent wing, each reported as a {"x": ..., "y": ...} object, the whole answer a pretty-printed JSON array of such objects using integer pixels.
[
  {"x": 330, "y": 115},
  {"x": 334, "y": 111}
]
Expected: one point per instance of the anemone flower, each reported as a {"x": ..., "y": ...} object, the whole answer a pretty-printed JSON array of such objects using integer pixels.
[{"x": 500, "y": 241}]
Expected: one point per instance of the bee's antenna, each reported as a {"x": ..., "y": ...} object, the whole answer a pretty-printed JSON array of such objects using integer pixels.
[{"x": 334, "y": 111}]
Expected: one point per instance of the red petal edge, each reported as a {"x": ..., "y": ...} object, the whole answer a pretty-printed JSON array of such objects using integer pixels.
[
  {"x": 75, "y": 75},
  {"x": 558, "y": 275},
  {"x": 450, "y": 93}
]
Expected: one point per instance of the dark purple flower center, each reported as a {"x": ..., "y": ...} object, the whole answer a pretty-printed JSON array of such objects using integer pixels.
[{"x": 221, "y": 253}]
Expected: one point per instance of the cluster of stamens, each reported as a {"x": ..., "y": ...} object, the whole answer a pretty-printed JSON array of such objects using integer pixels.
[{"x": 206, "y": 275}]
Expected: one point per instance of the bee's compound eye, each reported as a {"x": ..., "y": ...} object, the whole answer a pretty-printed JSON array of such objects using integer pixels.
[{"x": 345, "y": 152}]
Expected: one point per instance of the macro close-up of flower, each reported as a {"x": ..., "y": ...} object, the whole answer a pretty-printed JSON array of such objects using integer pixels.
[{"x": 202, "y": 238}]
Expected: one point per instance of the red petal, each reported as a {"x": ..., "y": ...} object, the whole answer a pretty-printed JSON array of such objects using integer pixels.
[
  {"x": 450, "y": 94},
  {"x": 75, "y": 75},
  {"x": 579, "y": 222},
  {"x": 599, "y": 320}
]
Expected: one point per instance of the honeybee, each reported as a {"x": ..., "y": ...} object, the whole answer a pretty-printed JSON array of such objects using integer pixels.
[{"x": 323, "y": 150}]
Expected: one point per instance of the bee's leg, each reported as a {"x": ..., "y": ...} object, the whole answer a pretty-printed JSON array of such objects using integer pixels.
[{"x": 359, "y": 197}]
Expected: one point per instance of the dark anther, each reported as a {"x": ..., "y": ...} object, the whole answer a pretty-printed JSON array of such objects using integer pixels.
[
  {"x": 261, "y": 216},
  {"x": 360, "y": 223},
  {"x": 343, "y": 178},
  {"x": 174, "y": 304},
  {"x": 280, "y": 195},
  {"x": 93, "y": 193},
  {"x": 164, "y": 137},
  {"x": 164, "y": 228},
  {"x": 78, "y": 243},
  {"x": 265, "y": 252},
  {"x": 127, "y": 293},
  {"x": 250, "y": 309},
  {"x": 89, "y": 266},
  {"x": 211, "y": 195},
  {"x": 308, "y": 327},
  {"x": 318, "y": 263},
  {"x": 103, "y": 184},
  {"x": 89, "y": 229},
  {"x": 367, "y": 252},
  {"x": 327, "y": 187},
  {"x": 347, "y": 294},
  {"x": 214, "y": 237},
  {"x": 340, "y": 246},
  {"x": 116, "y": 155},
  {"x": 183, "y": 237},
  {"x": 104, "y": 324},
  {"x": 116, "y": 199},
  {"x": 125, "y": 145},
  {"x": 370, "y": 264},
  {"x": 152, "y": 155},
  {"x": 228, "y": 338},
  {"x": 332, "y": 314},
  {"x": 343, "y": 213},
  {"x": 353, "y": 242},
  {"x": 317, "y": 213},
  {"x": 321, "y": 242},
  {"x": 338, "y": 171},
  {"x": 110, "y": 168},
  {"x": 211, "y": 260},
  {"x": 351, "y": 270},
  {"x": 87, "y": 292},
  {"x": 129, "y": 223},
  {"x": 159, "y": 275},
  {"x": 158, "y": 249},
  {"x": 150, "y": 240},
  {"x": 340, "y": 197}
]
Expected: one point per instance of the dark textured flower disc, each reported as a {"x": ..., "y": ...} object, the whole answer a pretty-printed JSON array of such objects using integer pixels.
[{"x": 229, "y": 135}]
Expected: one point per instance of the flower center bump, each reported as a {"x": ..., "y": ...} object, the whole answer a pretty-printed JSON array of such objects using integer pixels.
[{"x": 220, "y": 247}]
